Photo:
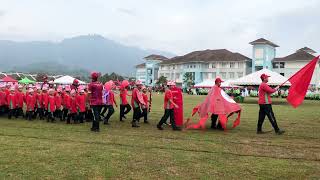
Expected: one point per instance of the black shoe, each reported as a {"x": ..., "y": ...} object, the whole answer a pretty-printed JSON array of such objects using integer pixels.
[
  {"x": 146, "y": 122},
  {"x": 159, "y": 127},
  {"x": 280, "y": 132},
  {"x": 177, "y": 129}
]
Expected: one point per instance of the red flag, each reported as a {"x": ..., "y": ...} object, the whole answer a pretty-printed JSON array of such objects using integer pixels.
[{"x": 300, "y": 82}]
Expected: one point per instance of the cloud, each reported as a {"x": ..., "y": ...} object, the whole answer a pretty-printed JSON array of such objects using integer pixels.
[
  {"x": 129, "y": 12},
  {"x": 2, "y": 13}
]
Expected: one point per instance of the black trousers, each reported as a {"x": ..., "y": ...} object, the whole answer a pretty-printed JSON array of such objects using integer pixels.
[
  {"x": 29, "y": 115},
  {"x": 2, "y": 110},
  {"x": 72, "y": 116},
  {"x": 39, "y": 111},
  {"x": 145, "y": 114},
  {"x": 50, "y": 117},
  {"x": 136, "y": 114},
  {"x": 81, "y": 117},
  {"x": 58, "y": 114},
  {"x": 124, "y": 109},
  {"x": 19, "y": 112},
  {"x": 65, "y": 112},
  {"x": 266, "y": 110},
  {"x": 96, "y": 109},
  {"x": 110, "y": 112},
  {"x": 168, "y": 113},
  {"x": 11, "y": 112},
  {"x": 214, "y": 118}
]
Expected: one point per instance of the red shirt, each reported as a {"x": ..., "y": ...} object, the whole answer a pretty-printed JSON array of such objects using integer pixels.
[
  {"x": 31, "y": 102},
  {"x": 51, "y": 104},
  {"x": 135, "y": 102},
  {"x": 168, "y": 96},
  {"x": 45, "y": 101},
  {"x": 73, "y": 105},
  {"x": 123, "y": 96},
  {"x": 39, "y": 102},
  {"x": 81, "y": 102},
  {"x": 146, "y": 100},
  {"x": 95, "y": 88},
  {"x": 264, "y": 93},
  {"x": 66, "y": 101},
  {"x": 11, "y": 101},
  {"x": 20, "y": 97},
  {"x": 3, "y": 97},
  {"x": 58, "y": 100}
]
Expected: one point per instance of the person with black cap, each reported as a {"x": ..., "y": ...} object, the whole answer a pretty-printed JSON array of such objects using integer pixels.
[
  {"x": 265, "y": 105},
  {"x": 214, "y": 117},
  {"x": 95, "y": 100}
]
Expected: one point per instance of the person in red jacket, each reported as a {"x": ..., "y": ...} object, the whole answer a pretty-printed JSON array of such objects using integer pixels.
[
  {"x": 73, "y": 107},
  {"x": 20, "y": 97},
  {"x": 265, "y": 105},
  {"x": 12, "y": 102},
  {"x": 66, "y": 104},
  {"x": 58, "y": 100},
  {"x": 39, "y": 104},
  {"x": 125, "y": 107},
  {"x": 31, "y": 103},
  {"x": 45, "y": 101},
  {"x": 146, "y": 105},
  {"x": 136, "y": 103},
  {"x": 3, "y": 101},
  {"x": 109, "y": 105},
  {"x": 81, "y": 105},
  {"x": 51, "y": 105}
]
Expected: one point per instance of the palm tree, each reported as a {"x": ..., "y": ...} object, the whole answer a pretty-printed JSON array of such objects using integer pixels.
[{"x": 188, "y": 79}]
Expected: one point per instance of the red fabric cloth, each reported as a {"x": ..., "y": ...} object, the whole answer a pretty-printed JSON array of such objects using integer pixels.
[
  {"x": 264, "y": 93},
  {"x": 111, "y": 99},
  {"x": 219, "y": 103},
  {"x": 300, "y": 82},
  {"x": 11, "y": 101},
  {"x": 20, "y": 97},
  {"x": 66, "y": 101},
  {"x": 95, "y": 88},
  {"x": 51, "y": 103},
  {"x": 73, "y": 105},
  {"x": 168, "y": 96},
  {"x": 178, "y": 100},
  {"x": 81, "y": 102},
  {"x": 39, "y": 102},
  {"x": 58, "y": 100},
  {"x": 45, "y": 100},
  {"x": 123, "y": 96},
  {"x": 3, "y": 98},
  {"x": 31, "y": 102}
]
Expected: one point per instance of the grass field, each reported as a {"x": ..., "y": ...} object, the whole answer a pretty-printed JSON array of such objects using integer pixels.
[{"x": 40, "y": 150}]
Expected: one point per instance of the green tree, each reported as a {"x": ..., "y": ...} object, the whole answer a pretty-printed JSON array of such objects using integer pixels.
[
  {"x": 162, "y": 81},
  {"x": 188, "y": 79}
]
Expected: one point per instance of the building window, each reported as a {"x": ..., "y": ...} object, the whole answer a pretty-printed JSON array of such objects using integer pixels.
[
  {"x": 232, "y": 65},
  {"x": 206, "y": 66},
  {"x": 231, "y": 75},
  {"x": 223, "y": 75},
  {"x": 214, "y": 75},
  {"x": 213, "y": 65},
  {"x": 240, "y": 74},
  {"x": 224, "y": 65},
  {"x": 240, "y": 65},
  {"x": 282, "y": 74},
  {"x": 281, "y": 64}
]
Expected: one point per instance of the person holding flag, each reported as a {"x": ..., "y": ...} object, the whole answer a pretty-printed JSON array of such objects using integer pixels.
[{"x": 265, "y": 105}]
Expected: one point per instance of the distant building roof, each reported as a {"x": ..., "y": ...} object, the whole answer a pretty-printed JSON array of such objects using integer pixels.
[
  {"x": 207, "y": 56},
  {"x": 263, "y": 41},
  {"x": 297, "y": 56},
  {"x": 141, "y": 65},
  {"x": 308, "y": 50},
  {"x": 156, "y": 57}
]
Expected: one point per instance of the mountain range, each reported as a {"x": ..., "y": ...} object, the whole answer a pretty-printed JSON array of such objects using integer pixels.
[{"x": 81, "y": 53}]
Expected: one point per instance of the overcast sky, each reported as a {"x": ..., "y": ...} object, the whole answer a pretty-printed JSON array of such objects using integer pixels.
[{"x": 177, "y": 26}]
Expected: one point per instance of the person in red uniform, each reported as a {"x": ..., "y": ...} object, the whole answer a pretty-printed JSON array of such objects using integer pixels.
[
  {"x": 146, "y": 105},
  {"x": 265, "y": 105},
  {"x": 51, "y": 105},
  {"x": 20, "y": 97},
  {"x": 73, "y": 108},
  {"x": 95, "y": 99},
  {"x": 3, "y": 97},
  {"x": 30, "y": 103},
  {"x": 169, "y": 106},
  {"x": 45, "y": 101},
  {"x": 125, "y": 107},
  {"x": 81, "y": 105},
  {"x": 12, "y": 102},
  {"x": 214, "y": 117},
  {"x": 66, "y": 103},
  {"x": 39, "y": 104},
  {"x": 110, "y": 101},
  {"x": 58, "y": 100},
  {"x": 136, "y": 103}
]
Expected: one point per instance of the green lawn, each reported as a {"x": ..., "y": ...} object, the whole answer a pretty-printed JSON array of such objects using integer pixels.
[{"x": 40, "y": 150}]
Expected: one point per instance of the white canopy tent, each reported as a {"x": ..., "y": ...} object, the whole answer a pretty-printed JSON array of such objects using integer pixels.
[
  {"x": 253, "y": 79},
  {"x": 210, "y": 84},
  {"x": 66, "y": 80}
]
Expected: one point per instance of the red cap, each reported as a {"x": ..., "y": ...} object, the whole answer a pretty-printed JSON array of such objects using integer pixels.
[
  {"x": 75, "y": 81},
  {"x": 263, "y": 76},
  {"x": 94, "y": 75},
  {"x": 218, "y": 80}
]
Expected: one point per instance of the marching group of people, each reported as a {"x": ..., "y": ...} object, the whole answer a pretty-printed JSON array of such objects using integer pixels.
[{"x": 95, "y": 102}]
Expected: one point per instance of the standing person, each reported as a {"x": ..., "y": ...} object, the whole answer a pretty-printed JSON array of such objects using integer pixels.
[
  {"x": 145, "y": 107},
  {"x": 39, "y": 104},
  {"x": 136, "y": 103},
  {"x": 95, "y": 100},
  {"x": 169, "y": 106},
  {"x": 20, "y": 97},
  {"x": 51, "y": 106},
  {"x": 109, "y": 105},
  {"x": 3, "y": 97},
  {"x": 265, "y": 105},
  {"x": 45, "y": 100},
  {"x": 66, "y": 103},
  {"x": 31, "y": 103},
  {"x": 125, "y": 107},
  {"x": 58, "y": 100},
  {"x": 12, "y": 102},
  {"x": 214, "y": 117},
  {"x": 73, "y": 108},
  {"x": 81, "y": 104}
]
